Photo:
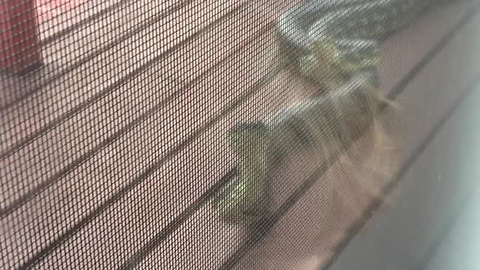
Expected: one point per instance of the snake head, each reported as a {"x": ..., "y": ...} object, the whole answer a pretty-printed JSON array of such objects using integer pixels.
[
  {"x": 244, "y": 199},
  {"x": 248, "y": 137},
  {"x": 237, "y": 203}
]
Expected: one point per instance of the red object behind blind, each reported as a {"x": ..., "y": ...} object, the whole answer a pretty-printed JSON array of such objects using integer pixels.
[{"x": 20, "y": 49}]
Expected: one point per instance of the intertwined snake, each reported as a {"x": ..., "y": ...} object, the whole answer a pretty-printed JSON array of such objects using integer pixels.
[{"x": 335, "y": 43}]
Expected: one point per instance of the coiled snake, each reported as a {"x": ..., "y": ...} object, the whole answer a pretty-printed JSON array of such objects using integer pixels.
[{"x": 335, "y": 43}]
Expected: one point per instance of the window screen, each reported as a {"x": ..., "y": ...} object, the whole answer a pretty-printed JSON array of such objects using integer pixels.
[{"x": 185, "y": 134}]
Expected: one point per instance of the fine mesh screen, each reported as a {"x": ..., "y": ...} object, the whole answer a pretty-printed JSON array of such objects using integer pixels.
[{"x": 215, "y": 134}]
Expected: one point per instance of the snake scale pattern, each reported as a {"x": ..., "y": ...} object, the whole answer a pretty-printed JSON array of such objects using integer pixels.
[{"x": 334, "y": 43}]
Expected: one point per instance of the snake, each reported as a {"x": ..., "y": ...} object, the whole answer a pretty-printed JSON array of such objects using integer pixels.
[{"x": 336, "y": 45}]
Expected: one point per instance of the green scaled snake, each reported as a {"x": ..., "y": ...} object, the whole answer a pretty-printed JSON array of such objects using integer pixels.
[{"x": 334, "y": 43}]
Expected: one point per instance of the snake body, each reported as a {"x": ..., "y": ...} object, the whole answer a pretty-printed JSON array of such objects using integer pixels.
[{"x": 335, "y": 43}]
